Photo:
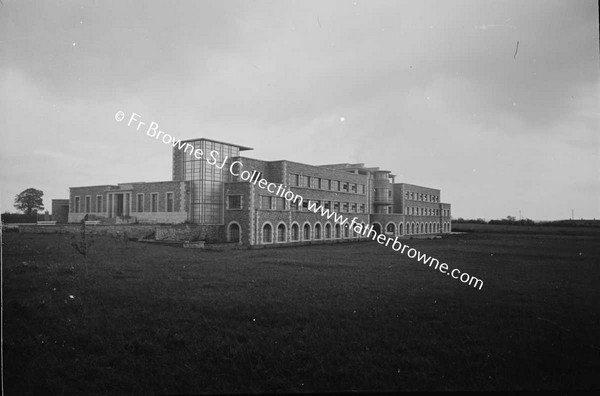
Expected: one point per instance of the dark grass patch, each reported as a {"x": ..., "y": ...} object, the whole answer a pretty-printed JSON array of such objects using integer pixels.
[{"x": 345, "y": 317}]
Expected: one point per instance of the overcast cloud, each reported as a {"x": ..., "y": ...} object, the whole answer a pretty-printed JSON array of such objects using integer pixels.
[{"x": 435, "y": 91}]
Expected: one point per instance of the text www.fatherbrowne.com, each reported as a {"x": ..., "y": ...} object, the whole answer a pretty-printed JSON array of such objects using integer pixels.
[
  {"x": 365, "y": 231},
  {"x": 369, "y": 232}
]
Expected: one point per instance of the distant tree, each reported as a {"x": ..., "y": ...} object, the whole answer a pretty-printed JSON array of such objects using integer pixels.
[
  {"x": 29, "y": 201},
  {"x": 511, "y": 219}
]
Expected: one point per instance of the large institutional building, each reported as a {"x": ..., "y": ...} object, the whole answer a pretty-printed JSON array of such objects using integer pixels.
[{"x": 233, "y": 208}]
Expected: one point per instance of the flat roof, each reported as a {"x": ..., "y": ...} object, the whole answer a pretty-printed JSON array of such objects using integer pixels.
[
  {"x": 242, "y": 148},
  {"x": 299, "y": 163},
  {"x": 416, "y": 185},
  {"x": 360, "y": 166}
]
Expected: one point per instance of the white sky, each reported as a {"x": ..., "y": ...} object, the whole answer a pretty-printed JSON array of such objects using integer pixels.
[{"x": 431, "y": 90}]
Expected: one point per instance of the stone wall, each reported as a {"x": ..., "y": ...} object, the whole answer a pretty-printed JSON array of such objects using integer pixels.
[
  {"x": 190, "y": 232},
  {"x": 162, "y": 232}
]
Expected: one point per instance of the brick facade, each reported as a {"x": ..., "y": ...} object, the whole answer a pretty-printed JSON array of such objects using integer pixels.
[
  {"x": 251, "y": 215},
  {"x": 158, "y": 202},
  {"x": 60, "y": 210}
]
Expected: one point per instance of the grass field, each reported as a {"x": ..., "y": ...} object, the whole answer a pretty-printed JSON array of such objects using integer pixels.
[{"x": 347, "y": 317}]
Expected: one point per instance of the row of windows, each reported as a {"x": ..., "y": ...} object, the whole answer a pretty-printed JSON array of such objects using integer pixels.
[
  {"x": 154, "y": 202},
  {"x": 310, "y": 232},
  {"x": 424, "y": 228},
  {"x": 317, "y": 232},
  {"x": 426, "y": 211},
  {"x": 421, "y": 197},
  {"x": 415, "y": 228},
  {"x": 277, "y": 203},
  {"x": 139, "y": 203},
  {"x": 307, "y": 233},
  {"x": 88, "y": 204},
  {"x": 318, "y": 183}
]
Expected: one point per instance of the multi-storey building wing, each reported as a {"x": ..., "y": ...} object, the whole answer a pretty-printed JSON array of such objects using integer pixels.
[{"x": 210, "y": 190}]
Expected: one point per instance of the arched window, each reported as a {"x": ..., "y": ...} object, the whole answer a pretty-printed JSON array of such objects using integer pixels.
[
  {"x": 327, "y": 231},
  {"x": 267, "y": 234},
  {"x": 346, "y": 232},
  {"x": 390, "y": 228},
  {"x": 376, "y": 227},
  {"x": 306, "y": 233},
  {"x": 338, "y": 234},
  {"x": 400, "y": 229},
  {"x": 317, "y": 231},
  {"x": 295, "y": 232},
  {"x": 281, "y": 237},
  {"x": 422, "y": 228},
  {"x": 412, "y": 231},
  {"x": 233, "y": 233}
]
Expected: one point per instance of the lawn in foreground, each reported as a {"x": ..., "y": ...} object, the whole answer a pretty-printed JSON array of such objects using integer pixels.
[{"x": 354, "y": 316}]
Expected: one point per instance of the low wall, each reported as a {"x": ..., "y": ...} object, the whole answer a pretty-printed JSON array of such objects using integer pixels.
[
  {"x": 183, "y": 232},
  {"x": 209, "y": 233},
  {"x": 133, "y": 231}
]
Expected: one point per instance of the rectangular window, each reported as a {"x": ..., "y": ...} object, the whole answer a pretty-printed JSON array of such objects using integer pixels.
[
  {"x": 326, "y": 205},
  {"x": 76, "y": 205},
  {"x": 362, "y": 189},
  {"x": 294, "y": 180},
  {"x": 345, "y": 186},
  {"x": 294, "y": 205},
  {"x": 88, "y": 204},
  {"x": 362, "y": 208},
  {"x": 154, "y": 202},
  {"x": 304, "y": 181},
  {"x": 279, "y": 203},
  {"x": 169, "y": 198},
  {"x": 98, "y": 203},
  {"x": 336, "y": 185},
  {"x": 305, "y": 205},
  {"x": 140, "y": 202},
  {"x": 265, "y": 202},
  {"x": 353, "y": 187},
  {"x": 234, "y": 202},
  {"x": 316, "y": 182},
  {"x": 336, "y": 206},
  {"x": 345, "y": 207},
  {"x": 353, "y": 208},
  {"x": 326, "y": 184}
]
